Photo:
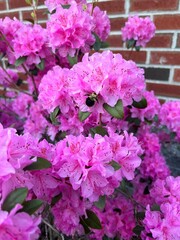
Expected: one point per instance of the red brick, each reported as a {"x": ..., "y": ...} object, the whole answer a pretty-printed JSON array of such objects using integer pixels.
[
  {"x": 165, "y": 90},
  {"x": 178, "y": 41},
  {"x": 161, "y": 40},
  {"x": 2, "y": 5},
  {"x": 115, "y": 41},
  {"x": 17, "y": 4},
  {"x": 115, "y": 6},
  {"x": 10, "y": 15},
  {"x": 138, "y": 57},
  {"x": 165, "y": 58},
  {"x": 117, "y": 23},
  {"x": 148, "y": 5},
  {"x": 170, "y": 21},
  {"x": 41, "y": 15},
  {"x": 177, "y": 75}
]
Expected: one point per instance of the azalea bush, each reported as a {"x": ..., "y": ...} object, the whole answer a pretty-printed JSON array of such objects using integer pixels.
[{"x": 81, "y": 137}]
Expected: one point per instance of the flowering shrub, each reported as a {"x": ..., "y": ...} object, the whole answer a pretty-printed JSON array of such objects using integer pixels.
[{"x": 81, "y": 146}]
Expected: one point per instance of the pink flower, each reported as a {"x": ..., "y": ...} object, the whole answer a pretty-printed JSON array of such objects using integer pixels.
[
  {"x": 30, "y": 41},
  {"x": 139, "y": 29},
  {"x": 102, "y": 23},
  {"x": 108, "y": 77},
  {"x": 164, "y": 224},
  {"x": 117, "y": 219},
  {"x": 18, "y": 226},
  {"x": 70, "y": 29},
  {"x": 68, "y": 210},
  {"x": 166, "y": 190},
  {"x": 170, "y": 116},
  {"x": 152, "y": 109}
]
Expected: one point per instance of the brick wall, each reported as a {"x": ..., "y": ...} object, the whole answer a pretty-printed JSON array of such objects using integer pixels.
[{"x": 161, "y": 57}]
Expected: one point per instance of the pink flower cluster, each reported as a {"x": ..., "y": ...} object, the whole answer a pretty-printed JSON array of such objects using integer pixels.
[
  {"x": 18, "y": 225},
  {"x": 117, "y": 219},
  {"x": 8, "y": 77},
  {"x": 170, "y": 116},
  {"x": 152, "y": 109},
  {"x": 153, "y": 164},
  {"x": 101, "y": 22},
  {"x": 165, "y": 223},
  {"x": 87, "y": 162},
  {"x": 70, "y": 29},
  {"x": 30, "y": 41},
  {"x": 139, "y": 29},
  {"x": 110, "y": 78}
]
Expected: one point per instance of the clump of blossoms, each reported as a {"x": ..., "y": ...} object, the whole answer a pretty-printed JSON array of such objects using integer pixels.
[
  {"x": 170, "y": 116},
  {"x": 140, "y": 30},
  {"x": 70, "y": 29},
  {"x": 81, "y": 138}
]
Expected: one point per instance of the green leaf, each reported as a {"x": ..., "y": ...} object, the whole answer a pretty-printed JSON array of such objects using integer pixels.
[
  {"x": 98, "y": 130},
  {"x": 101, "y": 202},
  {"x": 115, "y": 165},
  {"x": 140, "y": 215},
  {"x": 41, "y": 163},
  {"x": 14, "y": 197},
  {"x": 141, "y": 104},
  {"x": 53, "y": 116},
  {"x": 31, "y": 206},
  {"x": 137, "y": 48},
  {"x": 56, "y": 199},
  {"x": 138, "y": 229},
  {"x": 65, "y": 6},
  {"x": 85, "y": 226},
  {"x": 92, "y": 220},
  {"x": 131, "y": 43},
  {"x": 41, "y": 65},
  {"x": 29, "y": 2},
  {"x": 72, "y": 60},
  {"x": 104, "y": 44},
  {"x": 155, "y": 207},
  {"x": 117, "y": 111},
  {"x": 83, "y": 115},
  {"x": 20, "y": 61},
  {"x": 97, "y": 44}
]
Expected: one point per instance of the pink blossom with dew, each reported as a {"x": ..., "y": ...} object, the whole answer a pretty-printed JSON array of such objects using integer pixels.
[
  {"x": 117, "y": 219},
  {"x": 18, "y": 226},
  {"x": 102, "y": 23},
  {"x": 68, "y": 210},
  {"x": 30, "y": 41},
  {"x": 152, "y": 109},
  {"x": 70, "y": 29},
  {"x": 110, "y": 78},
  {"x": 164, "y": 224},
  {"x": 139, "y": 29},
  {"x": 170, "y": 116},
  {"x": 8, "y": 77},
  {"x": 166, "y": 190}
]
